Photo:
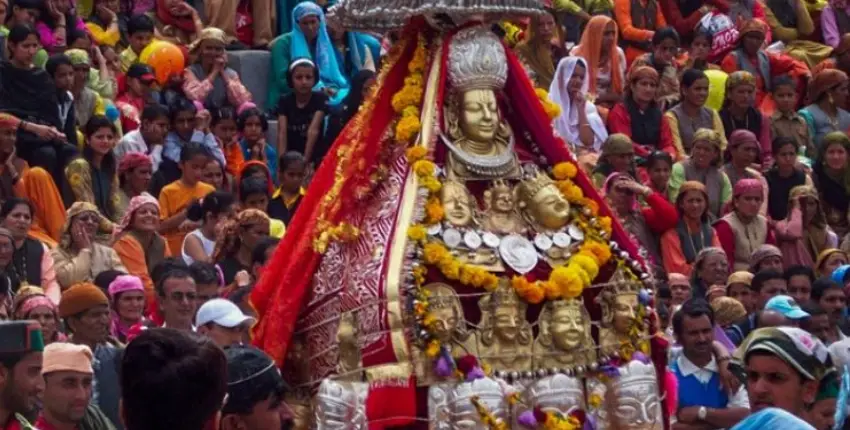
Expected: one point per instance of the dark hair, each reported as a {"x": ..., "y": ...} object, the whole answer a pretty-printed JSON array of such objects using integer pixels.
[
  {"x": 703, "y": 32},
  {"x": 163, "y": 367},
  {"x": 55, "y": 61},
  {"x": 252, "y": 185},
  {"x": 139, "y": 23},
  {"x": 763, "y": 276},
  {"x": 249, "y": 170},
  {"x": 249, "y": 113},
  {"x": 26, "y": 4},
  {"x": 783, "y": 80},
  {"x": 154, "y": 111},
  {"x": 47, "y": 18},
  {"x": 693, "y": 308},
  {"x": 665, "y": 33},
  {"x": 96, "y": 123},
  {"x": 11, "y": 203},
  {"x": 214, "y": 203},
  {"x": 172, "y": 274},
  {"x": 657, "y": 156},
  {"x": 258, "y": 254},
  {"x": 691, "y": 76},
  {"x": 192, "y": 150},
  {"x": 664, "y": 291},
  {"x": 814, "y": 309},
  {"x": 290, "y": 71},
  {"x": 781, "y": 141},
  {"x": 20, "y": 32},
  {"x": 799, "y": 270},
  {"x": 181, "y": 104},
  {"x": 103, "y": 279},
  {"x": 163, "y": 270},
  {"x": 11, "y": 359},
  {"x": 74, "y": 34},
  {"x": 252, "y": 378},
  {"x": 820, "y": 287},
  {"x": 204, "y": 273},
  {"x": 109, "y": 164},
  {"x": 290, "y": 157},
  {"x": 218, "y": 115}
]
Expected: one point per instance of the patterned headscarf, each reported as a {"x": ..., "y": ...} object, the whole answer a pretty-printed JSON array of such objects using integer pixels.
[
  {"x": 815, "y": 232},
  {"x": 763, "y": 252},
  {"x": 753, "y": 26},
  {"x": 712, "y": 137},
  {"x": 230, "y": 231},
  {"x": 796, "y": 347},
  {"x": 208, "y": 34},
  {"x": 747, "y": 185},
  {"x": 78, "y": 57},
  {"x": 132, "y": 161},
  {"x": 824, "y": 81},
  {"x": 29, "y": 298},
  {"x": 642, "y": 72},
  {"x": 134, "y": 205},
  {"x": 742, "y": 136},
  {"x": 77, "y": 208},
  {"x": 8, "y": 121},
  {"x": 326, "y": 59},
  {"x": 741, "y": 77}
]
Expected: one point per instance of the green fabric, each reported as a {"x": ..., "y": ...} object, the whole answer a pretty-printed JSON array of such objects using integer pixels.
[
  {"x": 94, "y": 419},
  {"x": 40, "y": 58},
  {"x": 281, "y": 57},
  {"x": 677, "y": 178},
  {"x": 36, "y": 340}
]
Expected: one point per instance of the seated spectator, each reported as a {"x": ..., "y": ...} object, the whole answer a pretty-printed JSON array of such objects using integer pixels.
[
  {"x": 87, "y": 102},
  {"x": 61, "y": 69},
  {"x": 209, "y": 212},
  {"x": 640, "y": 116},
  {"x": 209, "y": 80},
  {"x": 252, "y": 125},
  {"x": 224, "y": 127},
  {"x": 223, "y": 322},
  {"x": 579, "y": 123},
  {"x": 829, "y": 170},
  {"x": 148, "y": 138},
  {"x": 177, "y": 22},
  {"x": 790, "y": 25},
  {"x": 255, "y": 390},
  {"x": 743, "y": 230},
  {"x": 239, "y": 236},
  {"x": 93, "y": 178},
  {"x": 618, "y": 156},
  {"x": 659, "y": 166},
  {"x": 606, "y": 61},
  {"x": 744, "y": 152},
  {"x": 542, "y": 48},
  {"x": 830, "y": 296},
  {"x": 738, "y": 287},
  {"x": 703, "y": 165},
  {"x": 638, "y": 26},
  {"x": 138, "y": 243},
  {"x": 834, "y": 23},
  {"x": 665, "y": 46},
  {"x": 710, "y": 268},
  {"x": 215, "y": 175},
  {"x": 302, "y": 112},
  {"x": 766, "y": 257},
  {"x": 31, "y": 262},
  {"x": 78, "y": 258},
  {"x": 246, "y": 24},
  {"x": 285, "y": 199},
  {"x": 739, "y": 113},
  {"x": 134, "y": 176},
  {"x": 786, "y": 123},
  {"x": 698, "y": 53},
  {"x": 55, "y": 19},
  {"x": 255, "y": 193},
  {"x": 108, "y": 25},
  {"x": 24, "y": 12},
  {"x": 804, "y": 233},
  {"x": 138, "y": 83},
  {"x": 31, "y": 304},
  {"x": 176, "y": 197},
  {"x": 140, "y": 29},
  {"x": 691, "y": 114},
  {"x": 127, "y": 302},
  {"x": 825, "y": 113},
  {"x": 693, "y": 232}
]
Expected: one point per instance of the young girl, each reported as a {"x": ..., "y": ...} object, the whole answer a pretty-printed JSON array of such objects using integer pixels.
[
  {"x": 176, "y": 197},
  {"x": 215, "y": 175},
  {"x": 253, "y": 125},
  {"x": 783, "y": 177},
  {"x": 700, "y": 51},
  {"x": 199, "y": 244},
  {"x": 93, "y": 177},
  {"x": 300, "y": 114},
  {"x": 285, "y": 200},
  {"x": 254, "y": 194},
  {"x": 658, "y": 167},
  {"x": 224, "y": 128}
]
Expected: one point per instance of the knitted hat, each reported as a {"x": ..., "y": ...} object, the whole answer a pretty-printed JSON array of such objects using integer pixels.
[
  {"x": 62, "y": 356},
  {"x": 80, "y": 298}
]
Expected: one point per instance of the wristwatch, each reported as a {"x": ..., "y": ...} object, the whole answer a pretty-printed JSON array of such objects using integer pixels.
[{"x": 702, "y": 413}]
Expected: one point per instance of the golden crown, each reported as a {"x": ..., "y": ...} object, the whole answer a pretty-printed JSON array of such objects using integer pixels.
[
  {"x": 503, "y": 295},
  {"x": 532, "y": 184},
  {"x": 441, "y": 296}
]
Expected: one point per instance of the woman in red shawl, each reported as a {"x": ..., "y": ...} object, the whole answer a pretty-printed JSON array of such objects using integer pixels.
[
  {"x": 744, "y": 230},
  {"x": 639, "y": 116}
]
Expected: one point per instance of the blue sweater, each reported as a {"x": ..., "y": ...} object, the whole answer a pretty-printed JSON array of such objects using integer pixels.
[{"x": 692, "y": 392}]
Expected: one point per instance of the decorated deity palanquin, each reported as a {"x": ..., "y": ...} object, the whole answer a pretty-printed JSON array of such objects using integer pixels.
[{"x": 450, "y": 266}]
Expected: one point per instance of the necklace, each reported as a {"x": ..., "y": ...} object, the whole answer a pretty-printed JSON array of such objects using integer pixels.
[{"x": 21, "y": 272}]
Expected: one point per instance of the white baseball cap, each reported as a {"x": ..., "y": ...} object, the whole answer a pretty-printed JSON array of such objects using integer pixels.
[{"x": 222, "y": 312}]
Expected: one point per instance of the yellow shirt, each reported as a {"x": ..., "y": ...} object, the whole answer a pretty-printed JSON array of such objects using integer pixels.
[
  {"x": 175, "y": 197},
  {"x": 128, "y": 57}
]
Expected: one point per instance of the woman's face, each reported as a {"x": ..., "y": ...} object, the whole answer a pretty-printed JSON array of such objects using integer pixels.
[
  {"x": 704, "y": 154},
  {"x": 25, "y": 51},
  {"x": 18, "y": 221},
  {"x": 309, "y": 25},
  {"x": 665, "y": 51},
  {"x": 700, "y": 47},
  {"x": 130, "y": 305},
  {"x": 225, "y": 130},
  {"x": 46, "y": 318},
  {"x": 546, "y": 27},
  {"x": 146, "y": 219},
  {"x": 212, "y": 50},
  {"x": 184, "y": 123},
  {"x": 608, "y": 35},
  {"x": 659, "y": 174},
  {"x": 622, "y": 198},
  {"x": 693, "y": 204},
  {"x": 253, "y": 234},
  {"x": 809, "y": 206},
  {"x": 576, "y": 81},
  {"x": 786, "y": 157},
  {"x": 87, "y": 221},
  {"x": 745, "y": 154},
  {"x": 836, "y": 156},
  {"x": 102, "y": 141},
  {"x": 752, "y": 42},
  {"x": 253, "y": 130},
  {"x": 139, "y": 179},
  {"x": 834, "y": 261},
  {"x": 7, "y": 250},
  {"x": 213, "y": 175},
  {"x": 113, "y": 61},
  {"x": 697, "y": 94},
  {"x": 749, "y": 203},
  {"x": 742, "y": 95},
  {"x": 643, "y": 90},
  {"x": 840, "y": 92}
]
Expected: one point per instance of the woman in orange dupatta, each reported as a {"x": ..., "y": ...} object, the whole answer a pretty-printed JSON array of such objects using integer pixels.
[
  {"x": 542, "y": 48},
  {"x": 606, "y": 60},
  {"x": 17, "y": 179}
]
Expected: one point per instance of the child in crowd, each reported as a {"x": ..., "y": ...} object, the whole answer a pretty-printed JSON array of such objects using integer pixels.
[
  {"x": 253, "y": 125},
  {"x": 113, "y": 60},
  {"x": 149, "y": 138},
  {"x": 225, "y": 131},
  {"x": 786, "y": 122},
  {"x": 784, "y": 176},
  {"x": 254, "y": 194},
  {"x": 60, "y": 69},
  {"x": 137, "y": 92},
  {"x": 285, "y": 200},
  {"x": 659, "y": 164},
  {"x": 79, "y": 39},
  {"x": 140, "y": 31},
  {"x": 302, "y": 112},
  {"x": 215, "y": 175},
  {"x": 199, "y": 244},
  {"x": 176, "y": 197}
]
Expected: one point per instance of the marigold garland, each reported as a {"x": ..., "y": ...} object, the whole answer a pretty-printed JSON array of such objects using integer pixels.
[
  {"x": 407, "y": 100},
  {"x": 553, "y": 110}
]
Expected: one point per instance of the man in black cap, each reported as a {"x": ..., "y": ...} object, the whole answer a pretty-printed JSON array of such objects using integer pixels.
[
  {"x": 21, "y": 383},
  {"x": 138, "y": 93},
  {"x": 255, "y": 391}
]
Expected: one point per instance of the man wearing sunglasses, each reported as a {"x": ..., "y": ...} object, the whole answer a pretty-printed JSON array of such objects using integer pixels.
[{"x": 177, "y": 296}]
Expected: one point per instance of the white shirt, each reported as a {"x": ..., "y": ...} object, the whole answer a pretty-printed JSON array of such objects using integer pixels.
[{"x": 134, "y": 142}]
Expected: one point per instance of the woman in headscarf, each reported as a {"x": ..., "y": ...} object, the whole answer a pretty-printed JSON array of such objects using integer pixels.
[
  {"x": 829, "y": 260},
  {"x": 138, "y": 243},
  {"x": 309, "y": 38},
  {"x": 32, "y": 304},
  {"x": 727, "y": 311},
  {"x": 640, "y": 117},
  {"x": 542, "y": 48},
  {"x": 739, "y": 112},
  {"x": 127, "y": 300},
  {"x": 828, "y": 92},
  {"x": 744, "y": 230},
  {"x": 665, "y": 46},
  {"x": 766, "y": 257},
  {"x": 804, "y": 234},
  {"x": 239, "y": 236},
  {"x": 209, "y": 80},
  {"x": 177, "y": 22},
  {"x": 31, "y": 262},
  {"x": 618, "y": 155},
  {"x": 691, "y": 114},
  {"x": 763, "y": 65},
  {"x": 87, "y": 102},
  {"x": 78, "y": 258},
  {"x": 644, "y": 224},
  {"x": 711, "y": 267},
  {"x": 693, "y": 232},
  {"x": 790, "y": 23},
  {"x": 135, "y": 171},
  {"x": 638, "y": 22},
  {"x": 744, "y": 151},
  {"x": 703, "y": 165},
  {"x": 831, "y": 174},
  {"x": 579, "y": 123},
  {"x": 18, "y": 179},
  {"x": 606, "y": 61}
]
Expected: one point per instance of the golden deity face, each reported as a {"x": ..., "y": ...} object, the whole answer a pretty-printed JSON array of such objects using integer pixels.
[
  {"x": 625, "y": 311},
  {"x": 479, "y": 118},
  {"x": 457, "y": 203},
  {"x": 566, "y": 327},
  {"x": 506, "y": 323},
  {"x": 549, "y": 208},
  {"x": 446, "y": 323},
  {"x": 502, "y": 200}
]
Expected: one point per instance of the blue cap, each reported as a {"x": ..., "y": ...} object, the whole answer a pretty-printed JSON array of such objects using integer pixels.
[
  {"x": 787, "y": 306},
  {"x": 840, "y": 274}
]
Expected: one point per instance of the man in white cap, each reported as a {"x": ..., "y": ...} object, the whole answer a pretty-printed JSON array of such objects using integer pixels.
[
  {"x": 223, "y": 322},
  {"x": 68, "y": 374}
]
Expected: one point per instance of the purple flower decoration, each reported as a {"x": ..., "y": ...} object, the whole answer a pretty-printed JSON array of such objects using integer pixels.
[
  {"x": 610, "y": 371},
  {"x": 644, "y": 297},
  {"x": 639, "y": 356},
  {"x": 589, "y": 422},
  {"x": 527, "y": 419},
  {"x": 443, "y": 367},
  {"x": 475, "y": 373}
]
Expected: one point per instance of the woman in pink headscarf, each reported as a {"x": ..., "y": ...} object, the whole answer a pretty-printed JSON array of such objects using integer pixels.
[
  {"x": 32, "y": 304},
  {"x": 743, "y": 230},
  {"x": 127, "y": 297}
]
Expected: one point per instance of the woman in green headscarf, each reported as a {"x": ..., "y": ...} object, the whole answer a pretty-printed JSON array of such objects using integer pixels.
[
  {"x": 618, "y": 155},
  {"x": 87, "y": 102},
  {"x": 831, "y": 174}
]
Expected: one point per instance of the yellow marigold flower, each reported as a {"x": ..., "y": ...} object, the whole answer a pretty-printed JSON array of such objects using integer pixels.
[
  {"x": 534, "y": 294},
  {"x": 565, "y": 170},
  {"x": 433, "y": 349},
  {"x": 568, "y": 281},
  {"x": 416, "y": 153},
  {"x": 551, "y": 290},
  {"x": 431, "y": 184},
  {"x": 434, "y": 211},
  {"x": 573, "y": 193},
  {"x": 433, "y": 252},
  {"x": 583, "y": 276},
  {"x": 491, "y": 282},
  {"x": 601, "y": 251},
  {"x": 417, "y": 233},
  {"x": 592, "y": 205},
  {"x": 588, "y": 264},
  {"x": 451, "y": 269},
  {"x": 605, "y": 224},
  {"x": 595, "y": 401},
  {"x": 424, "y": 168},
  {"x": 406, "y": 128},
  {"x": 429, "y": 320}
]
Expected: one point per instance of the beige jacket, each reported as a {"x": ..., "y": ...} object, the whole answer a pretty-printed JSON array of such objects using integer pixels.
[{"x": 86, "y": 265}]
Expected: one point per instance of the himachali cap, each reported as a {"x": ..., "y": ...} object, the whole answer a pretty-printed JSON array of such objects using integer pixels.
[{"x": 20, "y": 337}]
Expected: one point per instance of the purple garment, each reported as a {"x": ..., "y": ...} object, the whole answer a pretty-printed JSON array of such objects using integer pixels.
[
  {"x": 829, "y": 26},
  {"x": 720, "y": 336},
  {"x": 45, "y": 33}
]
